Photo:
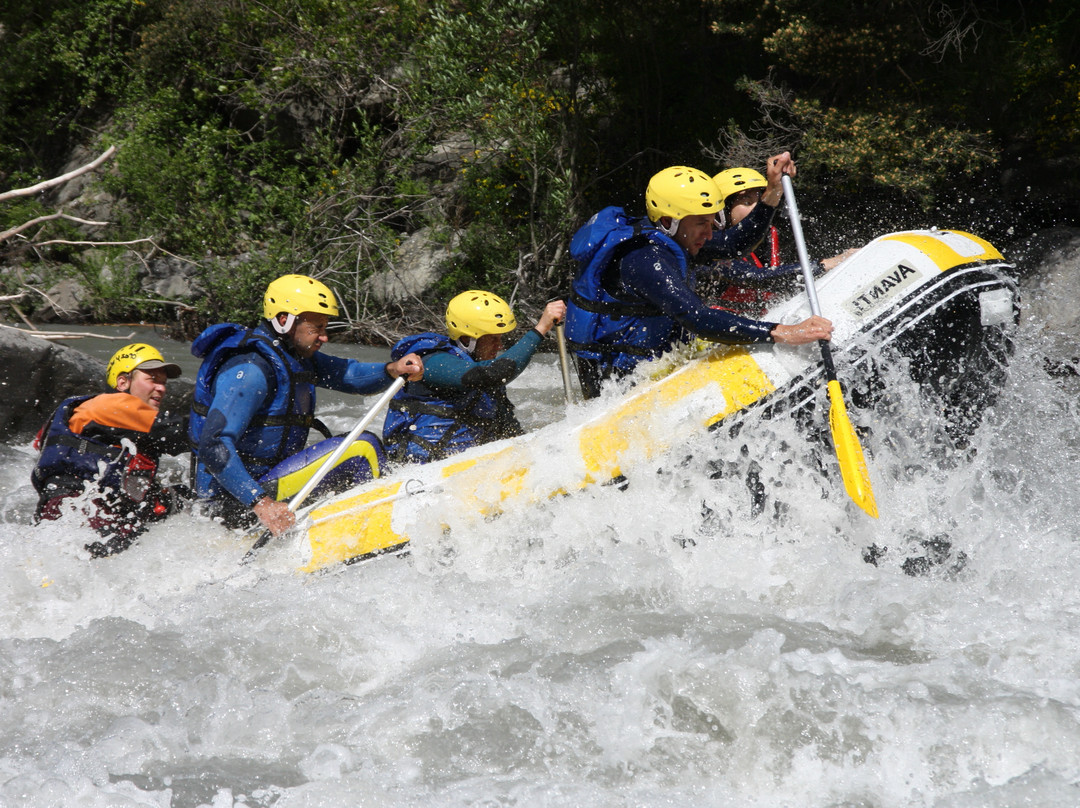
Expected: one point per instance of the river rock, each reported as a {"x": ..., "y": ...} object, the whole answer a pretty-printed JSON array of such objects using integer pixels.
[
  {"x": 417, "y": 266},
  {"x": 67, "y": 303}
]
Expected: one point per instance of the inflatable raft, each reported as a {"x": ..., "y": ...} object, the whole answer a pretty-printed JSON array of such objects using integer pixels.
[{"x": 943, "y": 299}]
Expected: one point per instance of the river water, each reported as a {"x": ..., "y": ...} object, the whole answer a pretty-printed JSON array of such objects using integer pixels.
[{"x": 673, "y": 642}]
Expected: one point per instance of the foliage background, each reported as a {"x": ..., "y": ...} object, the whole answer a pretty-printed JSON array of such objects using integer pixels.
[{"x": 257, "y": 137}]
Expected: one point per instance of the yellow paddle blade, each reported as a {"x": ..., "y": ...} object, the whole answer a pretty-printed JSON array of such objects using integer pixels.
[{"x": 849, "y": 453}]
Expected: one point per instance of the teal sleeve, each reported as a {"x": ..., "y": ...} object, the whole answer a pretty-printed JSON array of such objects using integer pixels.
[{"x": 448, "y": 371}]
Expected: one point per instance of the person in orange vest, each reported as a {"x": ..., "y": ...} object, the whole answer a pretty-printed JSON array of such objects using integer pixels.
[
  {"x": 752, "y": 282},
  {"x": 99, "y": 453}
]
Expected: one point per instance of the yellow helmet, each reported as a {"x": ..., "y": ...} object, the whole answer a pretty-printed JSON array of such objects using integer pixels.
[
  {"x": 138, "y": 356},
  {"x": 475, "y": 313},
  {"x": 680, "y": 191},
  {"x": 734, "y": 180},
  {"x": 295, "y": 294}
]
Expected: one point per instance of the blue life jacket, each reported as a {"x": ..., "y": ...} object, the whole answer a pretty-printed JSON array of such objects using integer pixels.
[
  {"x": 280, "y": 428},
  {"x": 424, "y": 423},
  {"x": 600, "y": 326},
  {"x": 68, "y": 461}
]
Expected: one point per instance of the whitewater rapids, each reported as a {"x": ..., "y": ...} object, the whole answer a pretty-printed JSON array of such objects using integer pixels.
[{"x": 673, "y": 642}]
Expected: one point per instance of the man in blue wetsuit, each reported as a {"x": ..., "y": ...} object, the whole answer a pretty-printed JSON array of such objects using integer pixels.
[
  {"x": 254, "y": 403},
  {"x": 635, "y": 297},
  {"x": 462, "y": 399}
]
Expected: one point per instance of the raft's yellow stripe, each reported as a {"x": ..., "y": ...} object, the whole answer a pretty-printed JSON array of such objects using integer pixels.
[
  {"x": 498, "y": 475},
  {"x": 361, "y": 524},
  {"x": 941, "y": 253},
  {"x": 740, "y": 381},
  {"x": 290, "y": 484},
  {"x": 356, "y": 531}
]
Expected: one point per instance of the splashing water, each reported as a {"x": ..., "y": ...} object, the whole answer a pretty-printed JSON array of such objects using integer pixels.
[{"x": 708, "y": 634}]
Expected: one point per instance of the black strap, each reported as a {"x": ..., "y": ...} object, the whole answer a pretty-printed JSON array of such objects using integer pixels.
[
  {"x": 488, "y": 428},
  {"x": 463, "y": 416},
  {"x": 608, "y": 276},
  {"x": 608, "y": 350},
  {"x": 614, "y": 308},
  {"x": 423, "y": 408},
  {"x": 397, "y": 446},
  {"x": 84, "y": 446}
]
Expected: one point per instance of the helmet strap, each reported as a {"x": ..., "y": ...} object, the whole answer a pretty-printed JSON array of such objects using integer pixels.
[
  {"x": 721, "y": 220},
  {"x": 467, "y": 344},
  {"x": 283, "y": 328},
  {"x": 671, "y": 229}
]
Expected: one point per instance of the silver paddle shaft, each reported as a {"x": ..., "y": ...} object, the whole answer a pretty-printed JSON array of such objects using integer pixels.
[
  {"x": 800, "y": 244},
  {"x": 329, "y": 463}
]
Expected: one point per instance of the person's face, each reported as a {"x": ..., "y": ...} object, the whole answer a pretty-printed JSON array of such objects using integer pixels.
[
  {"x": 488, "y": 347},
  {"x": 694, "y": 231},
  {"x": 309, "y": 333},
  {"x": 740, "y": 204},
  {"x": 146, "y": 385}
]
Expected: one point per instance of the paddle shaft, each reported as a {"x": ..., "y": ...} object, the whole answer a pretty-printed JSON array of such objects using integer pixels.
[
  {"x": 800, "y": 244},
  {"x": 564, "y": 361},
  {"x": 849, "y": 453},
  {"x": 361, "y": 425},
  {"x": 808, "y": 273},
  {"x": 329, "y": 463}
]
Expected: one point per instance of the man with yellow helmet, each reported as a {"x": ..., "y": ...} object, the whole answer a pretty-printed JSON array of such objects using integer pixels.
[
  {"x": 634, "y": 297},
  {"x": 747, "y": 284},
  {"x": 108, "y": 446},
  {"x": 462, "y": 399},
  {"x": 254, "y": 404}
]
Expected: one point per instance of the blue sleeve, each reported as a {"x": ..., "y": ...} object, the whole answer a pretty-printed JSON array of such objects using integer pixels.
[
  {"x": 650, "y": 274},
  {"x": 240, "y": 389},
  {"x": 741, "y": 239},
  {"x": 442, "y": 369},
  {"x": 744, "y": 269},
  {"x": 350, "y": 375}
]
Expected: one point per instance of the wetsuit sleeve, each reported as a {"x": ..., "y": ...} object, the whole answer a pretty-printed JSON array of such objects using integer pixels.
[
  {"x": 168, "y": 435},
  {"x": 741, "y": 239},
  {"x": 448, "y": 371},
  {"x": 240, "y": 389},
  {"x": 650, "y": 274},
  {"x": 350, "y": 375},
  {"x": 746, "y": 270}
]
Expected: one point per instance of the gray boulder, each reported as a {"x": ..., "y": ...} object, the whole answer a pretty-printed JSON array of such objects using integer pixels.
[
  {"x": 67, "y": 303},
  {"x": 417, "y": 264}
]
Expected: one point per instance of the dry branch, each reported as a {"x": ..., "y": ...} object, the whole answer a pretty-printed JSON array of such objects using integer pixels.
[
  {"x": 149, "y": 239},
  {"x": 16, "y": 230},
  {"x": 41, "y": 186},
  {"x": 66, "y": 334}
]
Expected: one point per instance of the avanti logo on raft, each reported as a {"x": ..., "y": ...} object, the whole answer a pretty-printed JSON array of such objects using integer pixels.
[{"x": 885, "y": 287}]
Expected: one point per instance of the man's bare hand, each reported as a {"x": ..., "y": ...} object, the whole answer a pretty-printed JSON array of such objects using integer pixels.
[
  {"x": 810, "y": 330},
  {"x": 554, "y": 312},
  {"x": 776, "y": 167},
  {"x": 836, "y": 260},
  {"x": 275, "y": 515},
  {"x": 411, "y": 366}
]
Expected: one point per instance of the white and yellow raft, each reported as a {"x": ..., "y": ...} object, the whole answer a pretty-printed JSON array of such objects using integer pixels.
[{"x": 901, "y": 291}]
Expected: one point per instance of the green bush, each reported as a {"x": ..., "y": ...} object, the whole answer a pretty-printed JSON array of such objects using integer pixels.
[{"x": 256, "y": 138}]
